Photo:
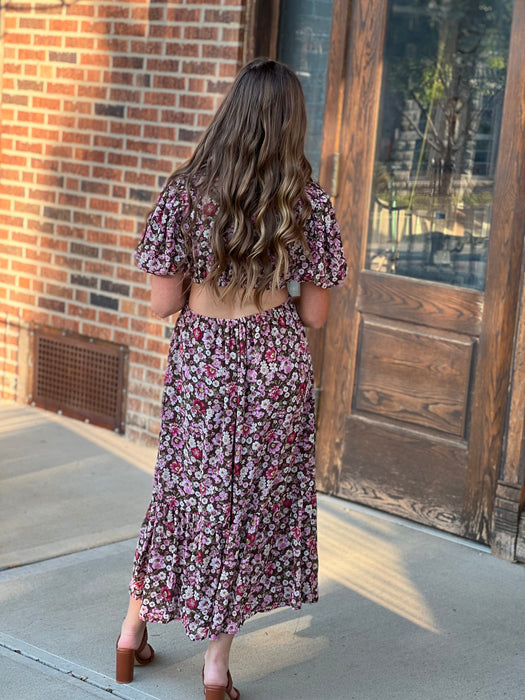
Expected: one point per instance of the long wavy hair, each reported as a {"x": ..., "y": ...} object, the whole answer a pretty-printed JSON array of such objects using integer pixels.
[{"x": 251, "y": 163}]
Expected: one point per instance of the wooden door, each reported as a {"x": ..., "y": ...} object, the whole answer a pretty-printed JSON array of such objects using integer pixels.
[{"x": 415, "y": 371}]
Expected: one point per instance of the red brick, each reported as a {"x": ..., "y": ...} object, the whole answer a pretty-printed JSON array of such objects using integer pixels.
[
  {"x": 228, "y": 70},
  {"x": 96, "y": 27},
  {"x": 115, "y": 77},
  {"x": 77, "y": 137},
  {"x": 63, "y": 25},
  {"x": 180, "y": 15},
  {"x": 146, "y": 359},
  {"x": 97, "y": 92},
  {"x": 172, "y": 116},
  {"x": 87, "y": 218},
  {"x": 95, "y": 59},
  {"x": 119, "y": 191},
  {"x": 72, "y": 200},
  {"x": 124, "y": 127},
  {"x": 157, "y": 165},
  {"x": 130, "y": 29},
  {"x": 14, "y": 130},
  {"x": 103, "y": 238},
  {"x": 24, "y": 39},
  {"x": 196, "y": 85},
  {"x": 96, "y": 331},
  {"x": 145, "y": 46},
  {"x": 108, "y": 10},
  {"x": 108, "y": 142},
  {"x": 68, "y": 324},
  {"x": 42, "y": 195},
  {"x": 13, "y": 68},
  {"x": 113, "y": 319},
  {"x": 182, "y": 49},
  {"x": 168, "y": 82},
  {"x": 113, "y": 174},
  {"x": 16, "y": 99},
  {"x": 90, "y": 155},
  {"x": 60, "y": 88},
  {"x": 31, "y": 23},
  {"x": 50, "y": 179},
  {"x": 54, "y": 274},
  {"x": 159, "y": 132},
  {"x": 46, "y": 40},
  {"x": 97, "y": 268},
  {"x": 62, "y": 291},
  {"x": 69, "y": 73},
  {"x": 143, "y": 114},
  {"x": 104, "y": 205},
  {"x": 80, "y": 42},
  {"x": 223, "y": 16},
  {"x": 75, "y": 168},
  {"x": 201, "y": 33},
  {"x": 21, "y": 297},
  {"x": 166, "y": 99},
  {"x": 81, "y": 10},
  {"x": 78, "y": 107},
  {"x": 52, "y": 304},
  {"x": 93, "y": 124},
  {"x": 197, "y": 102},
  {"x": 45, "y": 134},
  {"x": 169, "y": 65},
  {"x": 58, "y": 150},
  {"x": 126, "y": 159},
  {"x": 119, "y": 224},
  {"x": 41, "y": 102},
  {"x": 233, "y": 53}
]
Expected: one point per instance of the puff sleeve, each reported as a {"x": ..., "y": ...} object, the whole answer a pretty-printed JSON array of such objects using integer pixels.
[
  {"x": 326, "y": 265},
  {"x": 162, "y": 250}
]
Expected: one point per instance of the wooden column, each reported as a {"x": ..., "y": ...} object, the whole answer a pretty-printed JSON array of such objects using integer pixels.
[{"x": 507, "y": 541}]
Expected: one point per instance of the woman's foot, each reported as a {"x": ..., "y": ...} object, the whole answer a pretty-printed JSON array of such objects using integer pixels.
[
  {"x": 216, "y": 672},
  {"x": 131, "y": 635}
]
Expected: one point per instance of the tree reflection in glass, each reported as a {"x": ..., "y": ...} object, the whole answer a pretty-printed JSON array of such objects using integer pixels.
[{"x": 442, "y": 99}]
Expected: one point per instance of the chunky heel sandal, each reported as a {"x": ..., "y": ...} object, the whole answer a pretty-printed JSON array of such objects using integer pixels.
[
  {"x": 220, "y": 692},
  {"x": 127, "y": 658}
]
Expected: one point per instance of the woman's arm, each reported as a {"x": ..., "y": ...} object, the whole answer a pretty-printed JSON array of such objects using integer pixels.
[
  {"x": 312, "y": 305},
  {"x": 168, "y": 294}
]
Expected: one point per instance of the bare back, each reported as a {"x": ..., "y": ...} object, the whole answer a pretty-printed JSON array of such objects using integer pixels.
[{"x": 204, "y": 302}]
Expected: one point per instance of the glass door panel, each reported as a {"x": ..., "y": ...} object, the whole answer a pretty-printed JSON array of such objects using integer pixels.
[
  {"x": 303, "y": 44},
  {"x": 442, "y": 98}
]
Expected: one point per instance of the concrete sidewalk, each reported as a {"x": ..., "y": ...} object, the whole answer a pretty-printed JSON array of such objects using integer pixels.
[{"x": 405, "y": 613}]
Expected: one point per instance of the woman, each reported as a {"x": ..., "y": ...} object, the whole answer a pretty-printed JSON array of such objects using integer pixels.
[{"x": 231, "y": 527}]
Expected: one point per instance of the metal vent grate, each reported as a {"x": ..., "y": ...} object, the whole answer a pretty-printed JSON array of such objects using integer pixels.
[{"x": 79, "y": 376}]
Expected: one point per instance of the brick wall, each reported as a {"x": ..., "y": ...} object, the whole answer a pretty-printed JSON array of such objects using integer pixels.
[{"x": 100, "y": 102}]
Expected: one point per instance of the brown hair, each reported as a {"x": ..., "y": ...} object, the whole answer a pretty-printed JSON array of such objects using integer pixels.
[{"x": 251, "y": 161}]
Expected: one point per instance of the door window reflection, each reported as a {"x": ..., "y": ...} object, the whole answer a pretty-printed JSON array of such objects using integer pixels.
[
  {"x": 303, "y": 44},
  {"x": 442, "y": 98}
]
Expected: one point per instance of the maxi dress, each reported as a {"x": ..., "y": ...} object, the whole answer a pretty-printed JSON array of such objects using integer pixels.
[{"x": 231, "y": 527}]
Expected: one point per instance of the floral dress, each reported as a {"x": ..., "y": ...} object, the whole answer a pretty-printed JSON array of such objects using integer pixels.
[{"x": 231, "y": 527}]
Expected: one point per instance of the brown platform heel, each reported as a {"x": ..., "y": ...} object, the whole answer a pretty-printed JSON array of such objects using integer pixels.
[
  {"x": 127, "y": 658},
  {"x": 220, "y": 692}
]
